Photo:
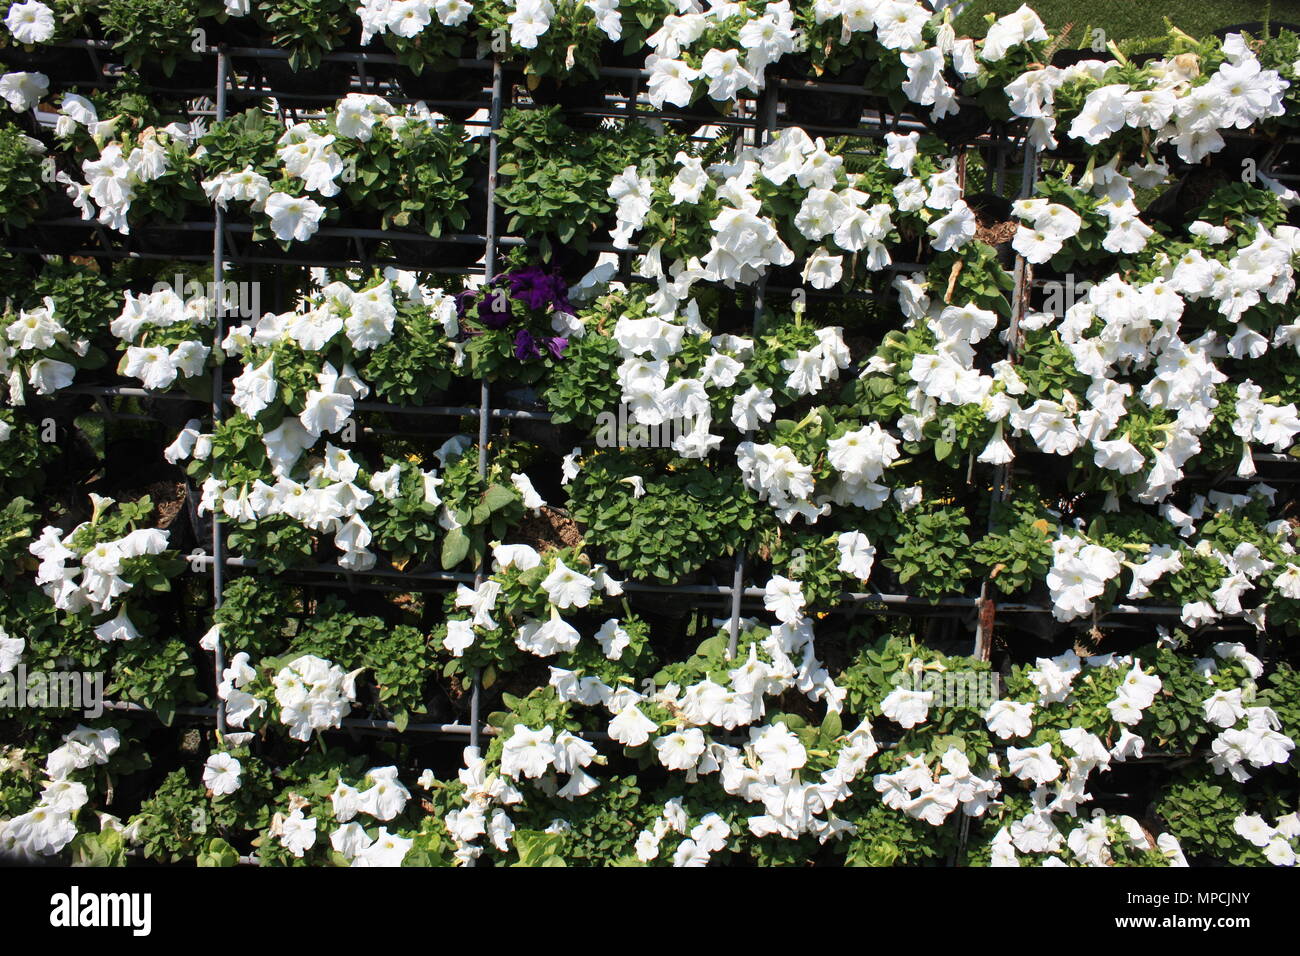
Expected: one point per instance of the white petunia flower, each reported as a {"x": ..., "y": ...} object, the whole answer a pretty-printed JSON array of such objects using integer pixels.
[
  {"x": 221, "y": 774},
  {"x": 293, "y": 218}
]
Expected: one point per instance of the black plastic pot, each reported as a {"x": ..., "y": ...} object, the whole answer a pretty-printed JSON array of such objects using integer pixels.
[
  {"x": 579, "y": 95},
  {"x": 1142, "y": 59},
  {"x": 1256, "y": 28},
  {"x": 441, "y": 88},
  {"x": 322, "y": 247},
  {"x": 304, "y": 89},
  {"x": 157, "y": 234},
  {"x": 1072, "y": 56},
  {"x": 1237, "y": 151},
  {"x": 318, "y": 87},
  {"x": 63, "y": 67},
  {"x": 573, "y": 264},
  {"x": 912, "y": 246},
  {"x": 197, "y": 74},
  {"x": 578, "y": 100},
  {"x": 836, "y": 109},
  {"x": 735, "y": 314},
  {"x": 16, "y": 58},
  {"x": 961, "y": 128},
  {"x": 1177, "y": 205},
  {"x": 377, "y": 72},
  {"x": 989, "y": 208},
  {"x": 784, "y": 277},
  {"x": 171, "y": 241},
  {"x": 59, "y": 240},
  {"x": 702, "y": 112},
  {"x": 612, "y": 54},
  {"x": 442, "y": 83},
  {"x": 353, "y": 217},
  {"x": 558, "y": 441}
]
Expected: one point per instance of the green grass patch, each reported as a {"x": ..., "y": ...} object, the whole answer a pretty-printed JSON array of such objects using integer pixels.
[{"x": 1132, "y": 19}]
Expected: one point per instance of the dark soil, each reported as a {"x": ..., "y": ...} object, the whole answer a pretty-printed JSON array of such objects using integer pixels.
[
  {"x": 169, "y": 499},
  {"x": 548, "y": 530},
  {"x": 995, "y": 234}
]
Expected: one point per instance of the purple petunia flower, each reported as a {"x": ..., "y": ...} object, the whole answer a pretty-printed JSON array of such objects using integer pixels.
[
  {"x": 532, "y": 287},
  {"x": 538, "y": 289},
  {"x": 494, "y": 318},
  {"x": 526, "y": 345},
  {"x": 463, "y": 300}
]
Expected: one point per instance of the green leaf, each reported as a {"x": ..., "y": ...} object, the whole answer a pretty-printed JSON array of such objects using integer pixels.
[
  {"x": 99, "y": 849},
  {"x": 499, "y": 496},
  {"x": 218, "y": 853},
  {"x": 454, "y": 548},
  {"x": 165, "y": 710},
  {"x": 537, "y": 848}
]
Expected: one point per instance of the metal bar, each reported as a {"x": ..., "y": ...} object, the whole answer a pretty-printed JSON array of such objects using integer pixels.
[
  {"x": 359, "y": 57},
  {"x": 913, "y": 603},
  {"x": 1022, "y": 276},
  {"x": 127, "y": 391},
  {"x": 462, "y": 730},
  {"x": 336, "y": 232},
  {"x": 347, "y": 723},
  {"x": 453, "y": 411},
  {"x": 485, "y": 390},
  {"x": 349, "y": 232},
  {"x": 737, "y": 590},
  {"x": 218, "y": 387},
  {"x": 445, "y": 411},
  {"x": 768, "y": 106},
  {"x": 343, "y": 56}
]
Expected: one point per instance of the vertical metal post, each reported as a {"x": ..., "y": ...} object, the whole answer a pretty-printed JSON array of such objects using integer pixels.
[
  {"x": 1022, "y": 276},
  {"x": 767, "y": 107},
  {"x": 218, "y": 387},
  {"x": 1023, "y": 270},
  {"x": 485, "y": 395}
]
